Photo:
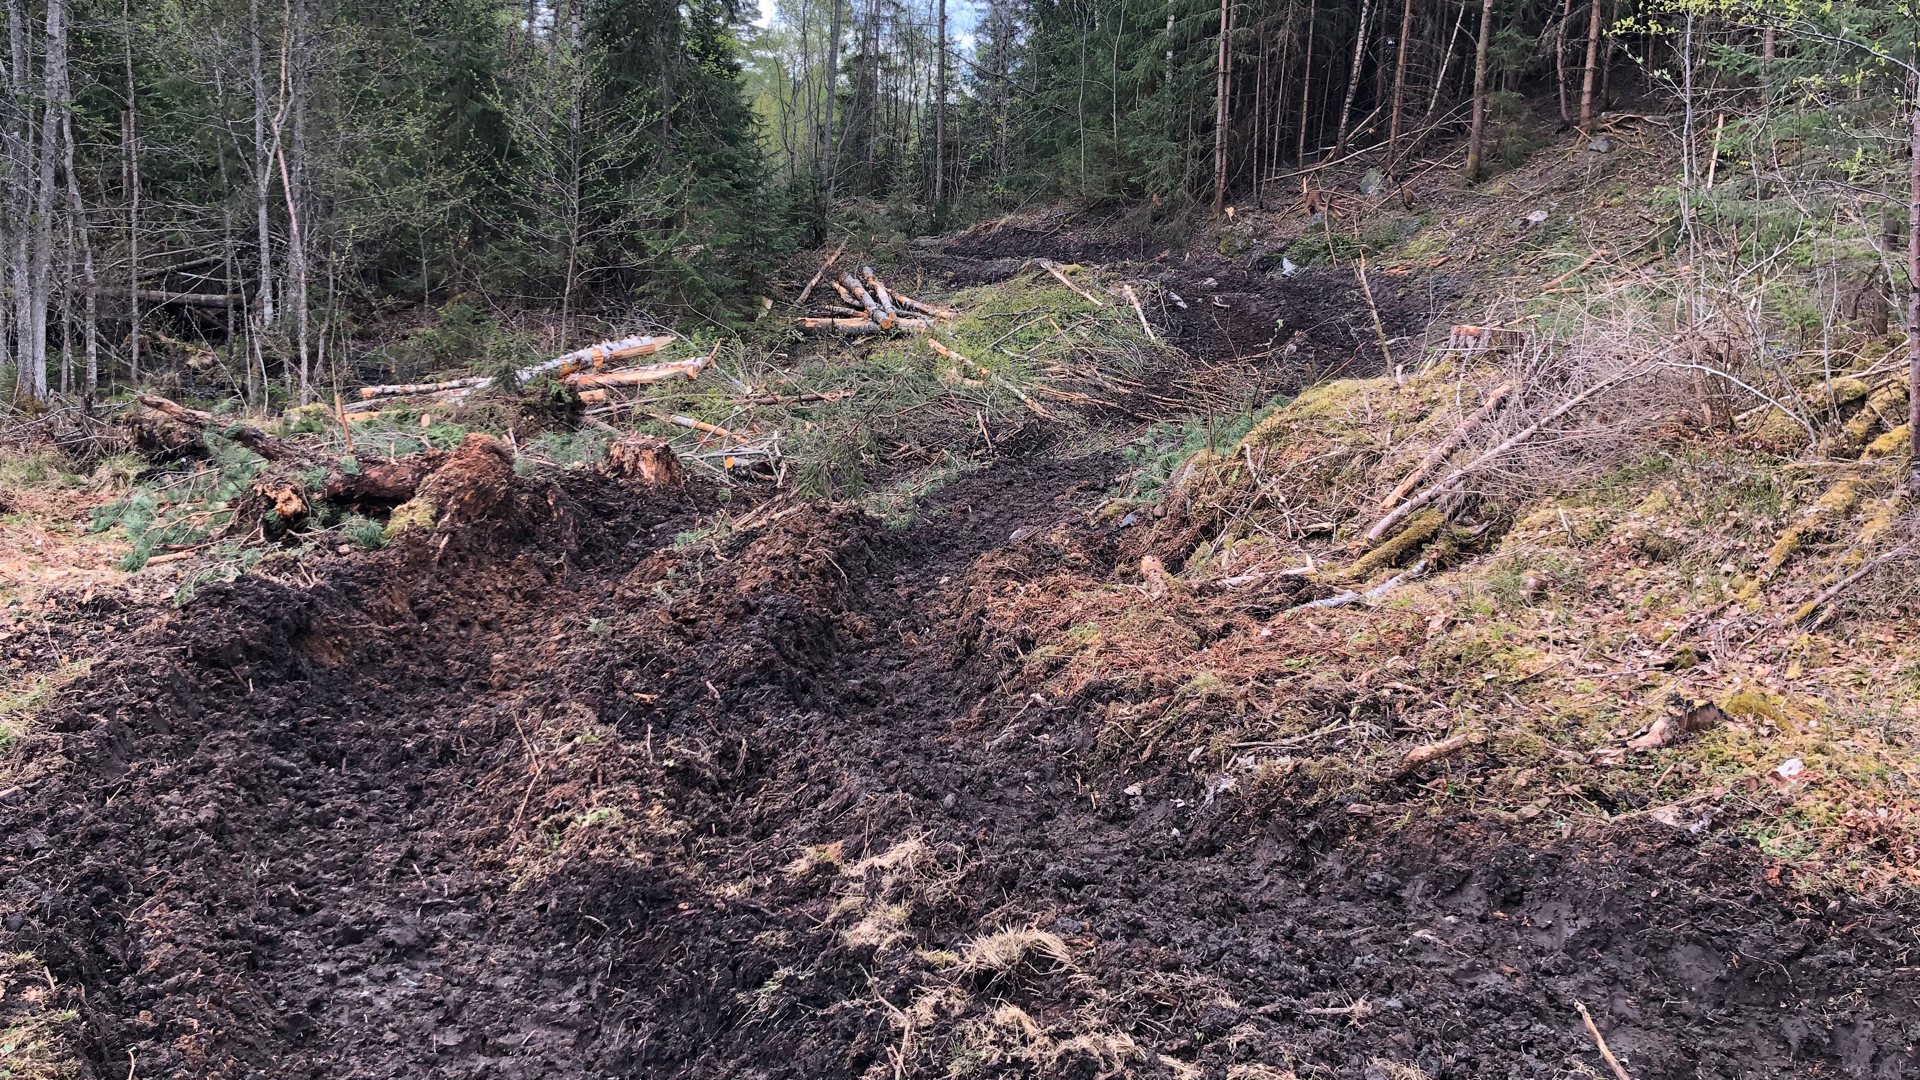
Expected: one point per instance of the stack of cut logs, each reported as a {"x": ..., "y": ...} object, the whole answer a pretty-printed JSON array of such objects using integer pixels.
[
  {"x": 584, "y": 369},
  {"x": 870, "y": 307}
]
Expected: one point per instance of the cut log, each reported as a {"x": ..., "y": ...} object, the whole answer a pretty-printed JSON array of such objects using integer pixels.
[
  {"x": 597, "y": 355},
  {"x": 880, "y": 315},
  {"x": 645, "y": 460},
  {"x": 818, "y": 274},
  {"x": 934, "y": 311},
  {"x": 368, "y": 393},
  {"x": 1448, "y": 445},
  {"x": 878, "y": 288},
  {"x": 862, "y": 325},
  {"x": 639, "y": 376}
]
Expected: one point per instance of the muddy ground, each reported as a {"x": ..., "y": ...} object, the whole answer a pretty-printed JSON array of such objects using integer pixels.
[{"x": 551, "y": 794}]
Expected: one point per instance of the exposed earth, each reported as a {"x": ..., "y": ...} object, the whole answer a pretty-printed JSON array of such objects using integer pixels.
[{"x": 556, "y": 792}]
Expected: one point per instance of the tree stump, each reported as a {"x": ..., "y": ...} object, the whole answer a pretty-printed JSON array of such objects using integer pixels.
[{"x": 645, "y": 460}]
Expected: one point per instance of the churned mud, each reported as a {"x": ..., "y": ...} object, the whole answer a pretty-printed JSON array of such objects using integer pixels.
[{"x": 550, "y": 790}]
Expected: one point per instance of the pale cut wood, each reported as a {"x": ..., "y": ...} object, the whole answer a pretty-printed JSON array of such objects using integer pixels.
[
  {"x": 638, "y": 376},
  {"x": 933, "y": 310},
  {"x": 367, "y": 393}
]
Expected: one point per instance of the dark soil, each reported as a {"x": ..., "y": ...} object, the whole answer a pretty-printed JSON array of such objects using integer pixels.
[
  {"x": 540, "y": 793},
  {"x": 1314, "y": 324}
]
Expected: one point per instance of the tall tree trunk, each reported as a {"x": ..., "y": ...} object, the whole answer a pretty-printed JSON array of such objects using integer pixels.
[
  {"x": 940, "y": 122},
  {"x": 1306, "y": 83},
  {"x": 263, "y": 156},
  {"x": 19, "y": 144},
  {"x": 83, "y": 238},
  {"x": 1220, "y": 107},
  {"x": 1476, "y": 136},
  {"x": 131, "y": 131},
  {"x": 1913, "y": 294},
  {"x": 292, "y": 181},
  {"x": 1587, "y": 77},
  {"x": 1560, "y": 61},
  {"x": 832, "y": 80},
  {"x": 1353, "y": 78},
  {"x": 33, "y": 355},
  {"x": 1399, "y": 80}
]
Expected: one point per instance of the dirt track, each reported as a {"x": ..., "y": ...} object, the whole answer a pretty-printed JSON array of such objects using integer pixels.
[{"x": 557, "y": 798}]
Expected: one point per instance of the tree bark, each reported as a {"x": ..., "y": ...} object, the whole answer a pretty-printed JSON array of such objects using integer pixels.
[
  {"x": 132, "y": 131},
  {"x": 1587, "y": 78},
  {"x": 18, "y": 135},
  {"x": 1399, "y": 80},
  {"x": 33, "y": 353},
  {"x": 263, "y": 156},
  {"x": 1913, "y": 296},
  {"x": 1476, "y": 137},
  {"x": 1560, "y": 61},
  {"x": 1353, "y": 79},
  {"x": 1306, "y": 83},
  {"x": 1221, "y": 116},
  {"x": 940, "y": 123},
  {"x": 833, "y": 78}
]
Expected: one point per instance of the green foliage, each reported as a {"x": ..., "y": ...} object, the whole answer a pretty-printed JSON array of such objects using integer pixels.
[
  {"x": 36, "y": 468},
  {"x": 363, "y": 533}
]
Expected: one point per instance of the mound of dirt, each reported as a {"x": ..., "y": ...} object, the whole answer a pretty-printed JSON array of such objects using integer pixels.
[{"x": 569, "y": 799}]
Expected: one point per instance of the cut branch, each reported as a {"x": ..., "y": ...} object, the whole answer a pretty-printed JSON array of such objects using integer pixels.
[
  {"x": 1449, "y": 482},
  {"x": 1448, "y": 445}
]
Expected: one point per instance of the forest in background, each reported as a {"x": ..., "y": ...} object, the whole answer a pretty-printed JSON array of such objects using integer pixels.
[{"x": 250, "y": 191}]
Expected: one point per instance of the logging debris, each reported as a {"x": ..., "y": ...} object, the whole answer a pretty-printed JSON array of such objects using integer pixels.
[
  {"x": 581, "y": 367},
  {"x": 870, "y": 306}
]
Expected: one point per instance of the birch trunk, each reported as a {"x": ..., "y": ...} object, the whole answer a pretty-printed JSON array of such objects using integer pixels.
[{"x": 1353, "y": 79}]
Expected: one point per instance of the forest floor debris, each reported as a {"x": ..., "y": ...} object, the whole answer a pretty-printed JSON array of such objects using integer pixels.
[{"x": 659, "y": 767}]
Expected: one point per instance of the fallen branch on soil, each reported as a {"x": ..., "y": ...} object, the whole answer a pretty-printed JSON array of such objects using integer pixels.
[
  {"x": 1432, "y": 752},
  {"x": 1060, "y": 272},
  {"x": 1448, "y": 445},
  {"x": 1452, "y": 480},
  {"x": 1818, "y": 605},
  {"x": 691, "y": 424},
  {"x": 1134, "y": 299},
  {"x": 1353, "y": 596},
  {"x": 1619, "y": 1072}
]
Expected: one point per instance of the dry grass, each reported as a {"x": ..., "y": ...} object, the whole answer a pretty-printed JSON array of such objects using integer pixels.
[
  {"x": 1008, "y": 952},
  {"x": 36, "y": 1033}
]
